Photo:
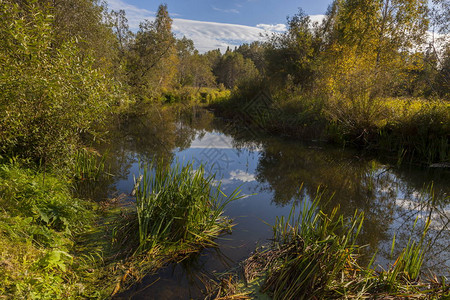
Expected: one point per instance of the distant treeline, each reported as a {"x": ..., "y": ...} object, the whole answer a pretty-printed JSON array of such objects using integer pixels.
[{"x": 66, "y": 65}]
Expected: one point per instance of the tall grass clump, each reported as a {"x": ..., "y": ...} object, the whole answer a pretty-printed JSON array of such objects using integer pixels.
[
  {"x": 314, "y": 255},
  {"x": 313, "y": 252},
  {"x": 407, "y": 266},
  {"x": 176, "y": 207},
  {"x": 88, "y": 164}
]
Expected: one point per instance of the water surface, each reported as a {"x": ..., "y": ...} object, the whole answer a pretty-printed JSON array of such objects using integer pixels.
[{"x": 270, "y": 172}]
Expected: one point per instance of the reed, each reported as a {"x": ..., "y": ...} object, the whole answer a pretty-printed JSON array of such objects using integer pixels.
[
  {"x": 314, "y": 251},
  {"x": 89, "y": 165},
  {"x": 314, "y": 255},
  {"x": 176, "y": 206}
]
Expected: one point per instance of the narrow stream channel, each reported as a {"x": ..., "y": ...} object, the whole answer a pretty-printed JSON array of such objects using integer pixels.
[{"x": 270, "y": 171}]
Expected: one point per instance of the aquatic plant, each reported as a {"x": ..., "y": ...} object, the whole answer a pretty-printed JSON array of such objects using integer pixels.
[
  {"x": 314, "y": 255},
  {"x": 314, "y": 250},
  {"x": 89, "y": 164},
  {"x": 176, "y": 206}
]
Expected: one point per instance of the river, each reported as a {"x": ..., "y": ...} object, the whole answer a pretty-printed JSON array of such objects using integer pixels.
[{"x": 273, "y": 173}]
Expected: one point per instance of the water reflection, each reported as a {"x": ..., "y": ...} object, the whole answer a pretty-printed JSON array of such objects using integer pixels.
[{"x": 270, "y": 171}]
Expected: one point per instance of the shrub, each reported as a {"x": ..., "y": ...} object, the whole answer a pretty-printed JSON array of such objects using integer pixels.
[
  {"x": 49, "y": 97},
  {"x": 44, "y": 198}
]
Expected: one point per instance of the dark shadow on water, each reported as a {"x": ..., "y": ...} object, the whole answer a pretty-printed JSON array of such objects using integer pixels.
[{"x": 183, "y": 281}]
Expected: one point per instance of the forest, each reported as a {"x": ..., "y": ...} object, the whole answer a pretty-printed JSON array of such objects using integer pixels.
[{"x": 374, "y": 76}]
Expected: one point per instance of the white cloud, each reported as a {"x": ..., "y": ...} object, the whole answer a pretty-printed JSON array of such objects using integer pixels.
[
  {"x": 134, "y": 14},
  {"x": 242, "y": 176},
  {"x": 212, "y": 141},
  {"x": 212, "y": 35},
  {"x": 272, "y": 27},
  {"x": 206, "y": 35},
  {"x": 316, "y": 18}
]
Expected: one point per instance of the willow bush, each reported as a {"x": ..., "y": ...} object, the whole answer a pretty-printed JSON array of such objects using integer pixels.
[{"x": 50, "y": 97}]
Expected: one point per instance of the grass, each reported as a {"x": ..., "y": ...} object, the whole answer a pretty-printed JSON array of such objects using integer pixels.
[
  {"x": 193, "y": 95},
  {"x": 314, "y": 255},
  {"x": 88, "y": 165},
  {"x": 55, "y": 246},
  {"x": 314, "y": 250},
  {"x": 38, "y": 222},
  {"x": 175, "y": 207},
  {"x": 411, "y": 128}
]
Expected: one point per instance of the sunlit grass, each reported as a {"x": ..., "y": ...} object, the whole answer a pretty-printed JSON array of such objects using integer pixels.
[
  {"x": 314, "y": 255},
  {"x": 176, "y": 206},
  {"x": 412, "y": 129}
]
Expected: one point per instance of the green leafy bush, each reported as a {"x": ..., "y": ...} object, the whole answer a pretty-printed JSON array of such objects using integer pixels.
[
  {"x": 38, "y": 220},
  {"x": 50, "y": 97},
  {"x": 45, "y": 199}
]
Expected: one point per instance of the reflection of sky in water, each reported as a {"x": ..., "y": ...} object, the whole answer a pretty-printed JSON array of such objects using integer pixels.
[
  {"x": 236, "y": 168},
  {"x": 389, "y": 202}
]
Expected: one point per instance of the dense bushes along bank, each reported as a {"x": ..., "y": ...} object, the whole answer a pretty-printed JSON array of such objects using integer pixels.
[{"x": 410, "y": 130}]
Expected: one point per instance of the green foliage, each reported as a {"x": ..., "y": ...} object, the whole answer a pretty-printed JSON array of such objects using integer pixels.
[
  {"x": 233, "y": 69},
  {"x": 193, "y": 69},
  {"x": 175, "y": 206},
  {"x": 38, "y": 219},
  {"x": 49, "y": 97},
  {"x": 151, "y": 61},
  {"x": 314, "y": 249},
  {"x": 290, "y": 56},
  {"x": 85, "y": 21},
  {"x": 44, "y": 198}
]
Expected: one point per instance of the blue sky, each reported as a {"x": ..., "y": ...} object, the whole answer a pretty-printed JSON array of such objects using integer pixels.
[
  {"x": 243, "y": 12},
  {"x": 213, "y": 24}
]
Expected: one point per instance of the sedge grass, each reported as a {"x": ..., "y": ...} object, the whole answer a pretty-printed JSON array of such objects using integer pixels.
[
  {"x": 176, "y": 207},
  {"x": 88, "y": 165},
  {"x": 314, "y": 251},
  {"x": 314, "y": 255}
]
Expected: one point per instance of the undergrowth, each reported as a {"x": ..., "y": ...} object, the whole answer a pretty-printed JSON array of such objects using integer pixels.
[
  {"x": 38, "y": 222},
  {"x": 55, "y": 246},
  {"x": 409, "y": 129}
]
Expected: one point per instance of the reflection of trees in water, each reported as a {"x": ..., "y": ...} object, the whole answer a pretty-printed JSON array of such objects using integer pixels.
[
  {"x": 352, "y": 182},
  {"x": 355, "y": 183},
  {"x": 153, "y": 135}
]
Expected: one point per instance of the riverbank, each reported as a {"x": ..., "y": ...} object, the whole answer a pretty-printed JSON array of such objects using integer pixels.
[
  {"x": 55, "y": 245},
  {"x": 95, "y": 267},
  {"x": 407, "y": 129},
  {"x": 315, "y": 255}
]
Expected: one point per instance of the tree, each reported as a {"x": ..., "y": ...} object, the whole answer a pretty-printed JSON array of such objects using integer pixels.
[
  {"x": 290, "y": 55},
  {"x": 49, "y": 97},
  {"x": 233, "y": 69},
  {"x": 152, "y": 61},
  {"x": 254, "y": 51},
  {"x": 122, "y": 31},
  {"x": 377, "y": 38},
  {"x": 193, "y": 69},
  {"x": 437, "y": 60}
]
